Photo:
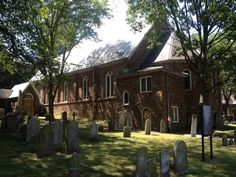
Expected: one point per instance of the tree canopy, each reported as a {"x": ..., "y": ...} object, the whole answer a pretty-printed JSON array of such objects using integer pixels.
[
  {"x": 211, "y": 22},
  {"x": 43, "y": 33}
]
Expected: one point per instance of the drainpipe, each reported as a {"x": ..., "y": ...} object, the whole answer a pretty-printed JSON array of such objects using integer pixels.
[{"x": 94, "y": 89}]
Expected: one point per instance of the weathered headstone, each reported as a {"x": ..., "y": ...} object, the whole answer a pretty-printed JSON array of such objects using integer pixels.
[
  {"x": 57, "y": 132},
  {"x": 46, "y": 142},
  {"x": 234, "y": 136},
  {"x": 224, "y": 140},
  {"x": 129, "y": 119},
  {"x": 126, "y": 131},
  {"x": 194, "y": 125},
  {"x": 164, "y": 165},
  {"x": 74, "y": 170},
  {"x": 72, "y": 137},
  {"x": 32, "y": 133},
  {"x": 231, "y": 141},
  {"x": 121, "y": 121},
  {"x": 163, "y": 126},
  {"x": 93, "y": 129},
  {"x": 11, "y": 122},
  {"x": 148, "y": 127},
  {"x": 180, "y": 158},
  {"x": 141, "y": 168},
  {"x": 152, "y": 167}
]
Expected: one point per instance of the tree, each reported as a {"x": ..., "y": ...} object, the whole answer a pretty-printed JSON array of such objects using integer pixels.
[
  {"x": 44, "y": 32},
  {"x": 212, "y": 21}
]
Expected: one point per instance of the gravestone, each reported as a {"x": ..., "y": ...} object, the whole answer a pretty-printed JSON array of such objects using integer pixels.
[
  {"x": 64, "y": 117},
  {"x": 11, "y": 122},
  {"x": 194, "y": 125},
  {"x": 127, "y": 131},
  {"x": 141, "y": 168},
  {"x": 93, "y": 129},
  {"x": 180, "y": 158},
  {"x": 121, "y": 121},
  {"x": 163, "y": 126},
  {"x": 46, "y": 142},
  {"x": 234, "y": 136},
  {"x": 164, "y": 165},
  {"x": 148, "y": 127},
  {"x": 32, "y": 132},
  {"x": 231, "y": 141},
  {"x": 72, "y": 137},
  {"x": 129, "y": 119},
  {"x": 57, "y": 132},
  {"x": 152, "y": 167},
  {"x": 224, "y": 140},
  {"x": 74, "y": 170}
]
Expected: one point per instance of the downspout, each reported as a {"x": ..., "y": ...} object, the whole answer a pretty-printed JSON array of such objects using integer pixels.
[{"x": 94, "y": 87}]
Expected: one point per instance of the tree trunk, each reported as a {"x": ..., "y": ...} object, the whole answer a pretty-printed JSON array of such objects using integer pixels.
[{"x": 50, "y": 100}]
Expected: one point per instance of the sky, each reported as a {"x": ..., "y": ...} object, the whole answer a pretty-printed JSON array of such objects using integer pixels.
[{"x": 113, "y": 30}]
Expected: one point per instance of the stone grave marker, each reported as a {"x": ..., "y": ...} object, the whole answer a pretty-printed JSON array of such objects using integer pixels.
[
  {"x": 46, "y": 142},
  {"x": 231, "y": 141},
  {"x": 194, "y": 125},
  {"x": 121, "y": 121},
  {"x": 180, "y": 158},
  {"x": 32, "y": 131},
  {"x": 57, "y": 132},
  {"x": 11, "y": 122},
  {"x": 127, "y": 131},
  {"x": 224, "y": 140},
  {"x": 152, "y": 167},
  {"x": 163, "y": 126},
  {"x": 164, "y": 165},
  {"x": 148, "y": 127},
  {"x": 93, "y": 129},
  {"x": 141, "y": 168},
  {"x": 128, "y": 119},
  {"x": 72, "y": 137},
  {"x": 74, "y": 170}
]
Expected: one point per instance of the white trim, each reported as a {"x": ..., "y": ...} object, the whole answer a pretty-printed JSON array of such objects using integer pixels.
[
  {"x": 109, "y": 94},
  {"x": 190, "y": 77},
  {"x": 174, "y": 119},
  {"x": 140, "y": 84},
  {"x": 125, "y": 104}
]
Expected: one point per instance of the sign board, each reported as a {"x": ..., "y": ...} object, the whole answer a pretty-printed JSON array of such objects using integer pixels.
[{"x": 207, "y": 118}]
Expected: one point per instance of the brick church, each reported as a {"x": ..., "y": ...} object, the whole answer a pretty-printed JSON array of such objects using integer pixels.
[{"x": 150, "y": 83}]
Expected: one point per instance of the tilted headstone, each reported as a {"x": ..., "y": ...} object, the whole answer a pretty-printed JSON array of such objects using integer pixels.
[
  {"x": 234, "y": 136},
  {"x": 163, "y": 126},
  {"x": 194, "y": 125},
  {"x": 148, "y": 127},
  {"x": 32, "y": 133},
  {"x": 224, "y": 140},
  {"x": 57, "y": 132},
  {"x": 121, "y": 121},
  {"x": 164, "y": 165},
  {"x": 74, "y": 170},
  {"x": 126, "y": 131},
  {"x": 129, "y": 119},
  {"x": 46, "y": 142},
  {"x": 141, "y": 168},
  {"x": 72, "y": 137},
  {"x": 152, "y": 167},
  {"x": 180, "y": 158},
  {"x": 93, "y": 129}
]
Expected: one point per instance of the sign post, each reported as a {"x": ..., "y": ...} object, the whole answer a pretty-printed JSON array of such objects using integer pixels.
[{"x": 206, "y": 115}]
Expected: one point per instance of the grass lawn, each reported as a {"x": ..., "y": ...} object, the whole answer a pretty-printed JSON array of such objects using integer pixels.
[{"x": 112, "y": 155}]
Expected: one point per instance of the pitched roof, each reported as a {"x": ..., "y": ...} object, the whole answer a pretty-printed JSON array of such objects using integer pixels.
[
  {"x": 17, "y": 88},
  {"x": 5, "y": 93}
]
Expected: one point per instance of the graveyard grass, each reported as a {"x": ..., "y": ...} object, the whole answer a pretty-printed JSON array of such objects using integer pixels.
[{"x": 112, "y": 155}]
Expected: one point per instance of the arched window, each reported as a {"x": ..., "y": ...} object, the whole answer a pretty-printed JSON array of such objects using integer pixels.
[
  {"x": 109, "y": 84},
  {"x": 125, "y": 98},
  {"x": 65, "y": 92},
  {"x": 85, "y": 88},
  {"x": 188, "y": 79}
]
